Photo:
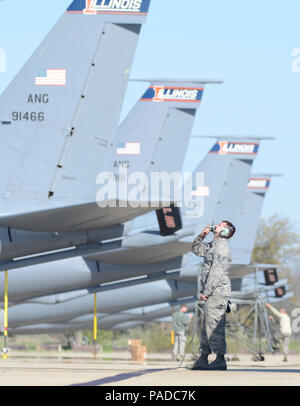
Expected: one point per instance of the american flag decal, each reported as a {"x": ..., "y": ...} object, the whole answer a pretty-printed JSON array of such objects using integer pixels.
[
  {"x": 129, "y": 148},
  {"x": 202, "y": 191},
  {"x": 51, "y": 77}
]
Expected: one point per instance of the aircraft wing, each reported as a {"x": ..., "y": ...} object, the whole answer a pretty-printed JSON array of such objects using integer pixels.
[
  {"x": 78, "y": 217},
  {"x": 240, "y": 270},
  {"x": 236, "y": 271},
  {"x": 135, "y": 256}
]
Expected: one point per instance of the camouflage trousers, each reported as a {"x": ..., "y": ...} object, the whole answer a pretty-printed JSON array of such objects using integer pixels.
[{"x": 212, "y": 335}]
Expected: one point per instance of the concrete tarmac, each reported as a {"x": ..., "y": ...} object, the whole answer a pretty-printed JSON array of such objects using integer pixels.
[{"x": 16, "y": 371}]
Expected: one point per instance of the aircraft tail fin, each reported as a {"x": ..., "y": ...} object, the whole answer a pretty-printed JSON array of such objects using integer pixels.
[
  {"x": 159, "y": 126},
  {"x": 65, "y": 104},
  {"x": 248, "y": 217},
  {"x": 224, "y": 173}
]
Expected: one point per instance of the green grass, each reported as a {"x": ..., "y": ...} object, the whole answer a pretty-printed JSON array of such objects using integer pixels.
[{"x": 295, "y": 346}]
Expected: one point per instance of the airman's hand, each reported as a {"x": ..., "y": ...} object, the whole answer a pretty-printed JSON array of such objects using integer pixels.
[
  {"x": 205, "y": 231},
  {"x": 202, "y": 297}
]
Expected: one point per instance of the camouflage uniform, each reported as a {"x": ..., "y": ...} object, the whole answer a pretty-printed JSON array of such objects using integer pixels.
[{"x": 214, "y": 284}]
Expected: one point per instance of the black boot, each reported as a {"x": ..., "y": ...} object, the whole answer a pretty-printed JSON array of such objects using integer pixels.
[
  {"x": 218, "y": 364},
  {"x": 200, "y": 364}
]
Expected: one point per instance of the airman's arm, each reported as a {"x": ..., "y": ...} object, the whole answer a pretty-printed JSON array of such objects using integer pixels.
[
  {"x": 199, "y": 247},
  {"x": 275, "y": 311}
]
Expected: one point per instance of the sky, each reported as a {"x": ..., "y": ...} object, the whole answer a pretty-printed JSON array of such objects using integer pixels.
[{"x": 251, "y": 46}]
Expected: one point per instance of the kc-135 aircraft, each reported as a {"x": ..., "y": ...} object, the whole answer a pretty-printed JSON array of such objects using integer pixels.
[
  {"x": 85, "y": 272},
  {"x": 70, "y": 305},
  {"x": 69, "y": 146},
  {"x": 89, "y": 90},
  {"x": 249, "y": 217},
  {"x": 58, "y": 122},
  {"x": 48, "y": 201},
  {"x": 154, "y": 126}
]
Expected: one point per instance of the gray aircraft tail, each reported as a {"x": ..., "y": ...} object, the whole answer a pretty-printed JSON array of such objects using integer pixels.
[
  {"x": 225, "y": 171},
  {"x": 59, "y": 115},
  {"x": 167, "y": 109},
  {"x": 154, "y": 137},
  {"x": 248, "y": 217}
]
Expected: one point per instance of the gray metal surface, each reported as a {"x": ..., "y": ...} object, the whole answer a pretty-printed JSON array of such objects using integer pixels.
[
  {"x": 45, "y": 157},
  {"x": 146, "y": 122},
  {"x": 114, "y": 301}
]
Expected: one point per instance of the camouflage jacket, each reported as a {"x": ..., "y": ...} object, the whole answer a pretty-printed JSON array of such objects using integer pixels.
[{"x": 214, "y": 277}]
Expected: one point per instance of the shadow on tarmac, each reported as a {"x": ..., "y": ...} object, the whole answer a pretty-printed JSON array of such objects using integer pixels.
[
  {"x": 265, "y": 369},
  {"x": 122, "y": 377}
]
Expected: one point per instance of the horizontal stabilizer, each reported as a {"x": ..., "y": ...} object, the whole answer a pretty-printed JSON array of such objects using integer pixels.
[
  {"x": 280, "y": 299},
  {"x": 251, "y": 293},
  {"x": 77, "y": 217}
]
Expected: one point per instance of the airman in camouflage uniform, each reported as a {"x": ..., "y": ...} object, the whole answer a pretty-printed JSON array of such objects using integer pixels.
[
  {"x": 214, "y": 290},
  {"x": 180, "y": 322}
]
